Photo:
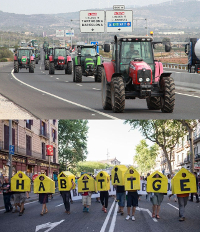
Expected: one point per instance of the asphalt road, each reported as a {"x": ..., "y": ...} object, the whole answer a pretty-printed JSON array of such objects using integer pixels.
[
  {"x": 97, "y": 220},
  {"x": 58, "y": 97}
]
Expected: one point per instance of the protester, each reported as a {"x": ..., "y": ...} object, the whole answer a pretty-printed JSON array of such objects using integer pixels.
[
  {"x": 132, "y": 200},
  {"x": 182, "y": 202},
  {"x": 66, "y": 196},
  {"x": 120, "y": 194},
  {"x": 104, "y": 200},
  {"x": 156, "y": 200},
  {"x": 86, "y": 199},
  {"x": 6, "y": 195},
  {"x": 19, "y": 200},
  {"x": 196, "y": 194},
  {"x": 43, "y": 199}
]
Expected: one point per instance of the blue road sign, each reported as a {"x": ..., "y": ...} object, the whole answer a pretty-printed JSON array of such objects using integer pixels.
[
  {"x": 96, "y": 42},
  {"x": 119, "y": 24},
  {"x": 12, "y": 149}
]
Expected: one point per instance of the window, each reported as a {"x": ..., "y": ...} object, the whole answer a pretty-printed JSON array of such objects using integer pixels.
[
  {"x": 54, "y": 121},
  {"x": 29, "y": 123},
  {"x": 43, "y": 151},
  {"x": 6, "y": 137},
  {"x": 54, "y": 135},
  {"x": 43, "y": 128},
  {"x": 28, "y": 145}
]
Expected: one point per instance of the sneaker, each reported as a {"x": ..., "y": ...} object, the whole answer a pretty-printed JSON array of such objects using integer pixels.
[
  {"x": 181, "y": 219},
  {"x": 103, "y": 208},
  {"x": 122, "y": 213},
  {"x": 87, "y": 210},
  {"x": 20, "y": 213},
  {"x": 133, "y": 218},
  {"x": 127, "y": 217},
  {"x": 15, "y": 210},
  {"x": 84, "y": 209}
]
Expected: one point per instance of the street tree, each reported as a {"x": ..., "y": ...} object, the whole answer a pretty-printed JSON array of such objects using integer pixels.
[
  {"x": 190, "y": 126},
  {"x": 89, "y": 166},
  {"x": 72, "y": 137},
  {"x": 145, "y": 156},
  {"x": 166, "y": 133}
]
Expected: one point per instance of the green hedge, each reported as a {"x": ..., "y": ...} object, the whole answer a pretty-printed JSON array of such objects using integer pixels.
[
  {"x": 3, "y": 60},
  {"x": 5, "y": 53}
]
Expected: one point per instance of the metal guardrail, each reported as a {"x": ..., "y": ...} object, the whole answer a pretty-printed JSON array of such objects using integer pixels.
[{"x": 175, "y": 66}]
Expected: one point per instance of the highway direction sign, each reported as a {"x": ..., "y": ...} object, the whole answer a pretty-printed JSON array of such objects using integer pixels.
[
  {"x": 95, "y": 42},
  {"x": 119, "y": 21},
  {"x": 60, "y": 33},
  {"x": 118, "y": 7},
  {"x": 92, "y": 21},
  {"x": 69, "y": 33}
]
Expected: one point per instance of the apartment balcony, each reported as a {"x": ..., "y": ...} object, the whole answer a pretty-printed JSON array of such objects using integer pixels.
[{"x": 44, "y": 134}]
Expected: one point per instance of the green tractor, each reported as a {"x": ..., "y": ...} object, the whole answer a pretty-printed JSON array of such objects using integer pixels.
[
  {"x": 48, "y": 52},
  {"x": 87, "y": 63}
]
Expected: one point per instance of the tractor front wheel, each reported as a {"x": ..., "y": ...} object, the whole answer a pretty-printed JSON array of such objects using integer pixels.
[
  {"x": 51, "y": 68},
  {"x": 117, "y": 94},
  {"x": 31, "y": 67},
  {"x": 68, "y": 70},
  {"x": 153, "y": 103},
  {"x": 168, "y": 99},
  {"x": 105, "y": 92},
  {"x": 78, "y": 74},
  {"x": 98, "y": 77},
  {"x": 16, "y": 67}
]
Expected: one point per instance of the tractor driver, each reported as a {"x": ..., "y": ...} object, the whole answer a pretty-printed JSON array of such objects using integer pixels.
[{"x": 132, "y": 52}]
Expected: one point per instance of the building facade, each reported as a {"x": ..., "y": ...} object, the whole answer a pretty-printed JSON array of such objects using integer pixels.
[{"x": 29, "y": 138}]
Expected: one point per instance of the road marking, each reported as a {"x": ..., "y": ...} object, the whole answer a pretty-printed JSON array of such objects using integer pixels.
[
  {"x": 48, "y": 225},
  {"x": 79, "y": 84},
  {"x": 173, "y": 206},
  {"x": 148, "y": 211},
  {"x": 107, "y": 218},
  {"x": 57, "y": 78},
  {"x": 189, "y": 95},
  {"x": 59, "y": 205},
  {"x": 96, "y": 89},
  {"x": 66, "y": 81},
  {"x": 65, "y": 100},
  {"x": 24, "y": 204},
  {"x": 112, "y": 225}
]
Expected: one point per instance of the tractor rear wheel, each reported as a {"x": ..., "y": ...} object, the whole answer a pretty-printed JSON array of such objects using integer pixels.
[
  {"x": 105, "y": 92},
  {"x": 153, "y": 103},
  {"x": 31, "y": 67},
  {"x": 78, "y": 74},
  {"x": 168, "y": 99},
  {"x": 117, "y": 94},
  {"x": 51, "y": 68},
  {"x": 98, "y": 77},
  {"x": 46, "y": 65},
  {"x": 73, "y": 71},
  {"x": 68, "y": 70},
  {"x": 16, "y": 67}
]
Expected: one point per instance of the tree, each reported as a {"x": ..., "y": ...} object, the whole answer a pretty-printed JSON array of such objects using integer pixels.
[
  {"x": 72, "y": 137},
  {"x": 145, "y": 156},
  {"x": 166, "y": 133},
  {"x": 89, "y": 166},
  {"x": 190, "y": 125}
]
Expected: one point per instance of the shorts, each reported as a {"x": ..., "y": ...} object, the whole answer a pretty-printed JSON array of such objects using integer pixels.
[
  {"x": 121, "y": 199},
  {"x": 86, "y": 200},
  {"x": 132, "y": 199},
  {"x": 157, "y": 198},
  {"x": 19, "y": 198}
]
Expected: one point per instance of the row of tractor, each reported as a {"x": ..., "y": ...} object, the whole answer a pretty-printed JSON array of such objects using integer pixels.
[{"x": 132, "y": 72}]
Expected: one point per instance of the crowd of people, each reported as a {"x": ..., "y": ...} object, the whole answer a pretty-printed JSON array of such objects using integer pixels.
[{"x": 132, "y": 198}]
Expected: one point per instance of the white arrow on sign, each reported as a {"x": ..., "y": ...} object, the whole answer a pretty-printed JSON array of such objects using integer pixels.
[{"x": 48, "y": 225}]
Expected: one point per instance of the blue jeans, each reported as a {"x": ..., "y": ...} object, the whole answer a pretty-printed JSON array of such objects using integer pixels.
[
  {"x": 121, "y": 199},
  {"x": 7, "y": 203}
]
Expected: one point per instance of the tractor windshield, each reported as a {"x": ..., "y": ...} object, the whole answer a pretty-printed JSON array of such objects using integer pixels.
[
  {"x": 88, "y": 51},
  {"x": 24, "y": 52},
  {"x": 60, "y": 52},
  {"x": 131, "y": 50}
]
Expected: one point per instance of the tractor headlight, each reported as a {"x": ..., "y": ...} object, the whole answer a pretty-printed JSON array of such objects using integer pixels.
[
  {"x": 140, "y": 79},
  {"x": 147, "y": 79}
]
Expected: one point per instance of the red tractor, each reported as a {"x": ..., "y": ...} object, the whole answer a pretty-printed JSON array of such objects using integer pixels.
[
  {"x": 133, "y": 72},
  {"x": 24, "y": 59},
  {"x": 60, "y": 60}
]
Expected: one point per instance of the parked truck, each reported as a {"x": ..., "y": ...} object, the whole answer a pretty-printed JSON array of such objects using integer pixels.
[{"x": 192, "y": 49}]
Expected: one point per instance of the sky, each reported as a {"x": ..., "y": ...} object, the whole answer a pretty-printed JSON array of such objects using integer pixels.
[
  {"x": 112, "y": 137},
  {"x": 64, "y": 6}
]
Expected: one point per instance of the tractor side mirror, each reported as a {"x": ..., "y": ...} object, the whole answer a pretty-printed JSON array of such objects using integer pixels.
[
  {"x": 167, "y": 47},
  {"x": 106, "y": 47},
  {"x": 187, "y": 49}
]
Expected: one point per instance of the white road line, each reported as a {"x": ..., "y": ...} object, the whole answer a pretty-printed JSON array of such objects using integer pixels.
[
  {"x": 112, "y": 225},
  {"x": 189, "y": 95},
  {"x": 57, "y": 78},
  {"x": 65, "y": 100},
  {"x": 24, "y": 204},
  {"x": 59, "y": 205},
  {"x": 95, "y": 89},
  {"x": 173, "y": 206},
  {"x": 79, "y": 84},
  {"x": 107, "y": 218},
  {"x": 148, "y": 211}
]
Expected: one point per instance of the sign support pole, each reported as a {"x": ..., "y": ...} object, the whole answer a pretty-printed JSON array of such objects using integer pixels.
[{"x": 10, "y": 155}]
